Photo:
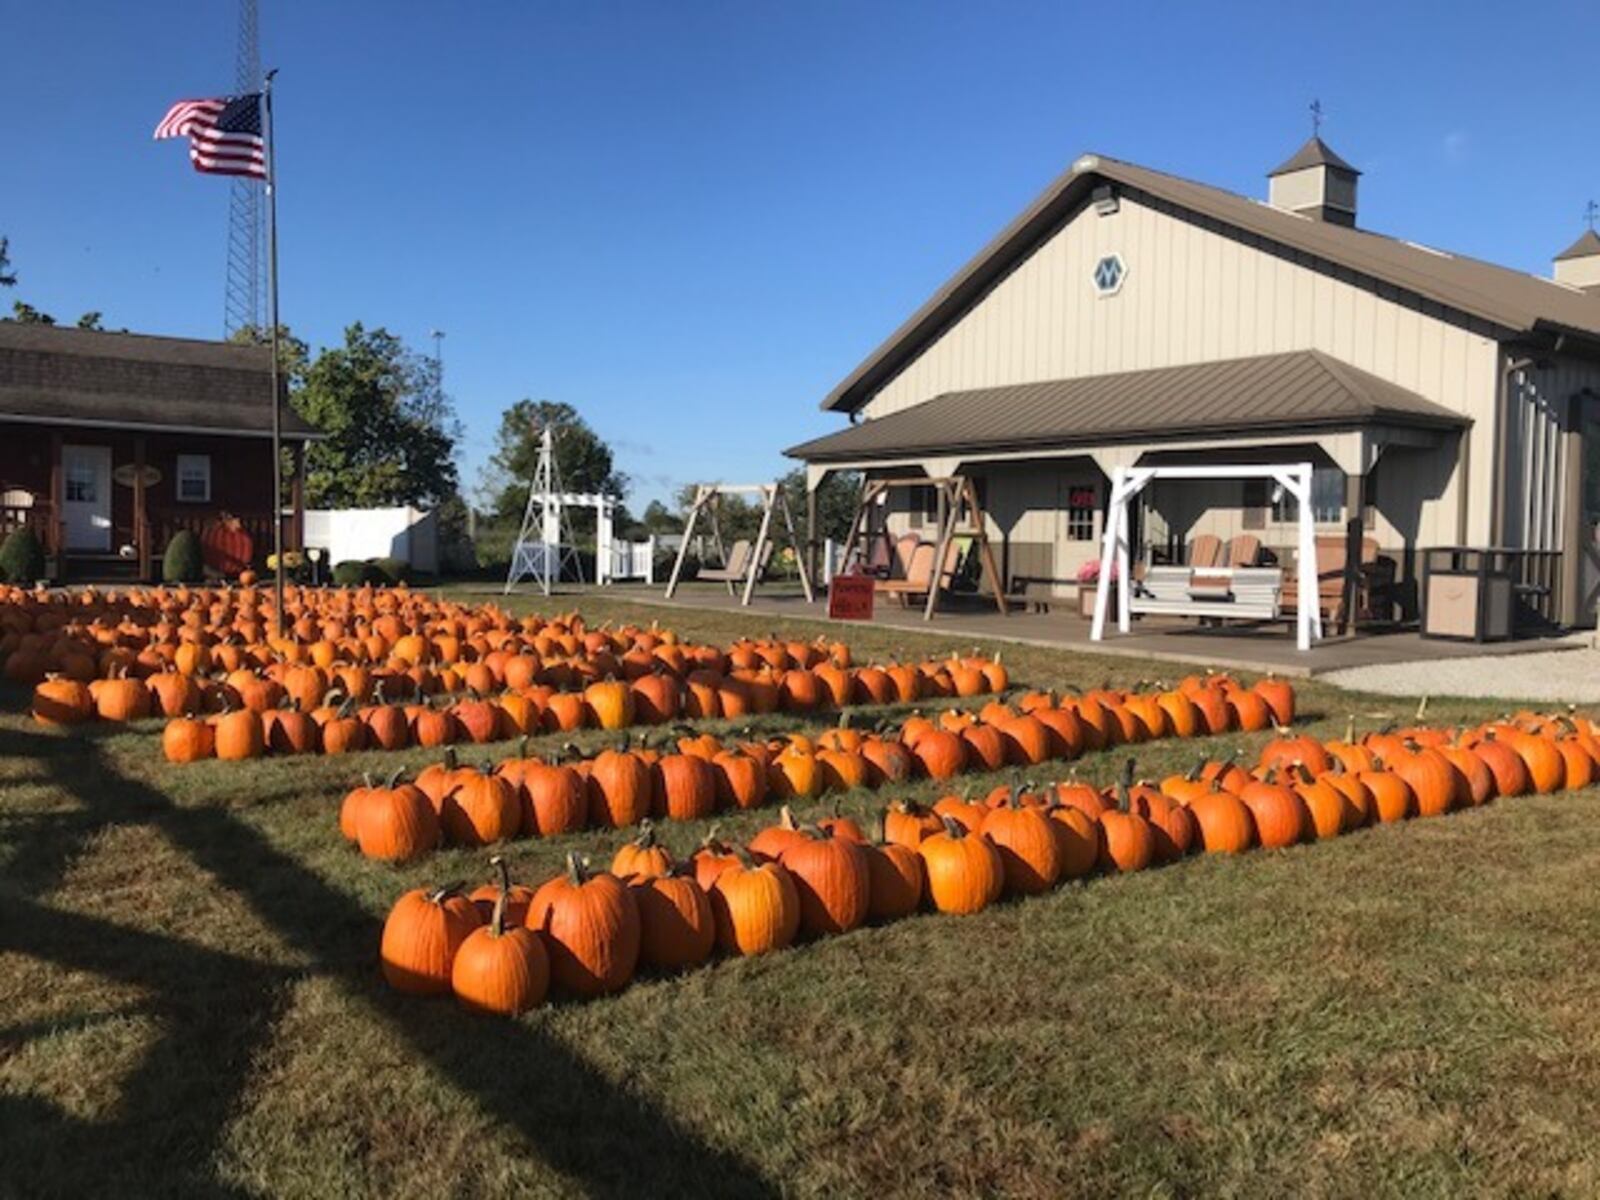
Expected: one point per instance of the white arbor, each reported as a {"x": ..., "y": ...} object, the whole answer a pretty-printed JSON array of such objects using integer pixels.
[{"x": 1128, "y": 482}]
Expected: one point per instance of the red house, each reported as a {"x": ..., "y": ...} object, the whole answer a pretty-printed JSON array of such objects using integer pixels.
[{"x": 112, "y": 442}]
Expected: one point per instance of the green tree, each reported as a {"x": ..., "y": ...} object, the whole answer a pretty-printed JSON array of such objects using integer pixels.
[
  {"x": 8, "y": 277},
  {"x": 24, "y": 313},
  {"x": 391, "y": 432},
  {"x": 836, "y": 502},
  {"x": 583, "y": 459},
  {"x": 294, "y": 356},
  {"x": 91, "y": 321},
  {"x": 658, "y": 518}
]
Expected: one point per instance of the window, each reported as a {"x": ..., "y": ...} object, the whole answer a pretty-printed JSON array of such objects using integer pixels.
[
  {"x": 922, "y": 503},
  {"x": 194, "y": 478},
  {"x": 81, "y": 483},
  {"x": 1327, "y": 498},
  {"x": 1109, "y": 273},
  {"x": 1082, "y": 505}
]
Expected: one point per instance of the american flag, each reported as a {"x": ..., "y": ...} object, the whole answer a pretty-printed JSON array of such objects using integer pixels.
[{"x": 224, "y": 134}]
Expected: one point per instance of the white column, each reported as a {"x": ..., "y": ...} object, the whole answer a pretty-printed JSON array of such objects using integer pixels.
[{"x": 1115, "y": 512}]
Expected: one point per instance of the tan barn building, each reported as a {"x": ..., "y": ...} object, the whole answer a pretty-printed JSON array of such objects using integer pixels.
[{"x": 1130, "y": 317}]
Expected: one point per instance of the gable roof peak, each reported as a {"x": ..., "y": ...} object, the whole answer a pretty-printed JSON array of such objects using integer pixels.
[{"x": 1587, "y": 245}]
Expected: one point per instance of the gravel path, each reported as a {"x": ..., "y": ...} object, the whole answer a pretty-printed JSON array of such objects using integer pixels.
[{"x": 1555, "y": 675}]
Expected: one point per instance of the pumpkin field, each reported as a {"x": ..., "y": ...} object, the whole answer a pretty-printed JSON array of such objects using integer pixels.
[{"x": 903, "y": 917}]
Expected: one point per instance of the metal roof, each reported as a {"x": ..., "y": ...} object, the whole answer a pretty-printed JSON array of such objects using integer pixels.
[
  {"x": 1315, "y": 153},
  {"x": 1512, "y": 300},
  {"x": 1273, "y": 393},
  {"x": 48, "y": 373},
  {"x": 1587, "y": 245}
]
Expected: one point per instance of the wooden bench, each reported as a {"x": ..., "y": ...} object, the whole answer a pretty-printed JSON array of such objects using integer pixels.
[{"x": 1253, "y": 593}]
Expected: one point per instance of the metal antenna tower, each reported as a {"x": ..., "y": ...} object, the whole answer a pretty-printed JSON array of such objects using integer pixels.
[{"x": 245, "y": 289}]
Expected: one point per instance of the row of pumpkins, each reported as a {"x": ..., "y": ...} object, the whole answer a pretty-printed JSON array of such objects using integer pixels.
[
  {"x": 692, "y": 776},
  {"x": 432, "y": 644},
  {"x": 299, "y": 710},
  {"x": 500, "y": 948}
]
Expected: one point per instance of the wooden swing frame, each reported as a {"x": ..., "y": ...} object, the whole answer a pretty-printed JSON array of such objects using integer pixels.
[
  {"x": 953, "y": 492},
  {"x": 706, "y": 499}
]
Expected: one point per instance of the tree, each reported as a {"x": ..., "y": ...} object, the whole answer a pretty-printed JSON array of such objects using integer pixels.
[
  {"x": 24, "y": 313},
  {"x": 8, "y": 277},
  {"x": 294, "y": 356},
  {"x": 836, "y": 502},
  {"x": 658, "y": 518},
  {"x": 583, "y": 459},
  {"x": 391, "y": 432},
  {"x": 91, "y": 321}
]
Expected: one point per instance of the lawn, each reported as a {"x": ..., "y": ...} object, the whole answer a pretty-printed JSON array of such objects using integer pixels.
[{"x": 190, "y": 1003}]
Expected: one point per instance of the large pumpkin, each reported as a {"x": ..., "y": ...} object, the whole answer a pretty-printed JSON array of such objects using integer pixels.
[
  {"x": 755, "y": 907},
  {"x": 421, "y": 935},
  {"x": 1223, "y": 822},
  {"x": 395, "y": 823},
  {"x": 1030, "y": 849},
  {"x": 619, "y": 789},
  {"x": 498, "y": 969},
  {"x": 896, "y": 877},
  {"x": 481, "y": 808},
  {"x": 591, "y": 923},
  {"x": 964, "y": 871},
  {"x": 832, "y": 879},
  {"x": 676, "y": 926}
]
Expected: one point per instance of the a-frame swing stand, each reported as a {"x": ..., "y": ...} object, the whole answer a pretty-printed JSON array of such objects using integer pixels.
[
  {"x": 707, "y": 498},
  {"x": 955, "y": 495}
]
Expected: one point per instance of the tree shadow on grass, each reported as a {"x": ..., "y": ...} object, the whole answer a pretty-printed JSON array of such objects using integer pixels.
[{"x": 218, "y": 1010}]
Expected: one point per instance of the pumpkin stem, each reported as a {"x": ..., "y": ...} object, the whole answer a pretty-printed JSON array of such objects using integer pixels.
[
  {"x": 1350, "y": 729},
  {"x": 497, "y": 921},
  {"x": 647, "y": 834},
  {"x": 449, "y": 889},
  {"x": 1422, "y": 708},
  {"x": 392, "y": 780},
  {"x": 953, "y": 828},
  {"x": 1196, "y": 771},
  {"x": 577, "y": 868},
  {"x": 1129, "y": 768}
]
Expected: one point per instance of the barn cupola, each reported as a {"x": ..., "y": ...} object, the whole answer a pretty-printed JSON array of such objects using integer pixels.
[
  {"x": 1315, "y": 183},
  {"x": 1579, "y": 264}
]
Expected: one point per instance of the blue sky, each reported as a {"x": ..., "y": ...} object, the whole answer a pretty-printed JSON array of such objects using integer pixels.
[{"x": 689, "y": 220}]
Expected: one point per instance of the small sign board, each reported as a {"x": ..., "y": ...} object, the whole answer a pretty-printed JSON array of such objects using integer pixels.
[{"x": 850, "y": 598}]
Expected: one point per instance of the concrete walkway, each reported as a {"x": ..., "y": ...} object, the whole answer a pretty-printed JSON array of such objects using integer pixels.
[{"x": 1237, "y": 646}]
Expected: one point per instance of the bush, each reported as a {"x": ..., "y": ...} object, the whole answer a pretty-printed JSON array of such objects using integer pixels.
[
  {"x": 182, "y": 563},
  {"x": 22, "y": 557},
  {"x": 392, "y": 570},
  {"x": 352, "y": 572}
]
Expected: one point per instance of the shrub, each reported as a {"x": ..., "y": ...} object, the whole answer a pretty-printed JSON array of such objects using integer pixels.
[
  {"x": 182, "y": 562},
  {"x": 392, "y": 570},
  {"x": 352, "y": 572},
  {"x": 22, "y": 557}
]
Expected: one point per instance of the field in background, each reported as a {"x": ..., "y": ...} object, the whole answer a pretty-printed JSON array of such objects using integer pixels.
[{"x": 189, "y": 1002}]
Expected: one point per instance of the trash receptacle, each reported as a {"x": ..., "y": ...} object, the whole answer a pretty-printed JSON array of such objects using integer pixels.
[{"x": 1468, "y": 594}]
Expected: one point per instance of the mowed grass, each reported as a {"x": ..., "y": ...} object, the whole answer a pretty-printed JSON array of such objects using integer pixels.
[{"x": 190, "y": 1004}]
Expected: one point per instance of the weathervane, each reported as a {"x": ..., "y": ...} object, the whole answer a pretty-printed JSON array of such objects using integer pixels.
[
  {"x": 1591, "y": 214},
  {"x": 1316, "y": 118}
]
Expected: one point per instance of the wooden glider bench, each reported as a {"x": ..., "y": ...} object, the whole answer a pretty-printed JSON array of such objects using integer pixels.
[{"x": 1239, "y": 593}]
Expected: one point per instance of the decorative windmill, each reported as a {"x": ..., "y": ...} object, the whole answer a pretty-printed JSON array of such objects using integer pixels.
[{"x": 545, "y": 543}]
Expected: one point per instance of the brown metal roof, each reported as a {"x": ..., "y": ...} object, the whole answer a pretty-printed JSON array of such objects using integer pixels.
[
  {"x": 1315, "y": 153},
  {"x": 1512, "y": 300},
  {"x": 1587, "y": 245},
  {"x": 1272, "y": 393},
  {"x": 122, "y": 380}
]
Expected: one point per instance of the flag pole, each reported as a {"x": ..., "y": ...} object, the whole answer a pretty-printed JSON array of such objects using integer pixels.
[{"x": 277, "y": 402}]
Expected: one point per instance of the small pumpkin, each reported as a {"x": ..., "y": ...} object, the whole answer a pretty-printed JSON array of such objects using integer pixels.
[
  {"x": 500, "y": 969},
  {"x": 964, "y": 871}
]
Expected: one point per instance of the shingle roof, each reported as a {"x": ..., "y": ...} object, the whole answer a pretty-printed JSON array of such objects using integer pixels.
[
  {"x": 1303, "y": 389},
  {"x": 125, "y": 379},
  {"x": 1511, "y": 300},
  {"x": 1315, "y": 153}
]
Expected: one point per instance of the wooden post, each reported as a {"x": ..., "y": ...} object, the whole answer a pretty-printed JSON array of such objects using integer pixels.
[
  {"x": 811, "y": 532},
  {"x": 55, "y": 535},
  {"x": 1354, "y": 536},
  {"x": 141, "y": 524},
  {"x": 297, "y": 531}
]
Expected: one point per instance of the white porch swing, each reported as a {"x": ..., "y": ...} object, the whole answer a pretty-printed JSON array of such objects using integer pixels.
[{"x": 1128, "y": 482}]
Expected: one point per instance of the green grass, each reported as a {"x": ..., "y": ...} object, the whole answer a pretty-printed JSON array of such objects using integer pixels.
[{"x": 189, "y": 1004}]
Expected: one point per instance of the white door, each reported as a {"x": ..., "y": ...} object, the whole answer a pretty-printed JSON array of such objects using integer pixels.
[{"x": 86, "y": 497}]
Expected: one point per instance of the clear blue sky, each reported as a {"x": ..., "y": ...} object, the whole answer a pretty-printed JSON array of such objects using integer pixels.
[{"x": 689, "y": 220}]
